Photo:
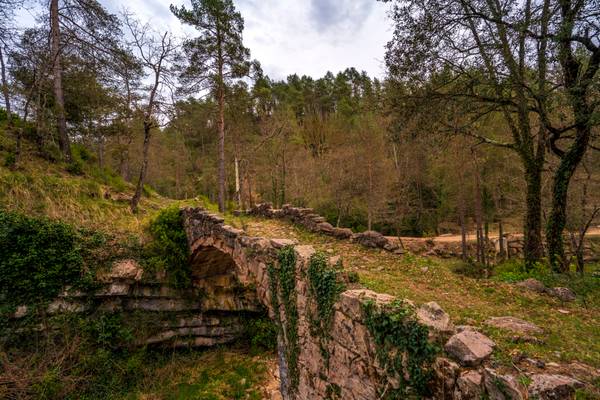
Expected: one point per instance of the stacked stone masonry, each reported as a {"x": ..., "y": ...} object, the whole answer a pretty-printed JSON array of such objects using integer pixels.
[
  {"x": 352, "y": 367},
  {"x": 231, "y": 276},
  {"x": 306, "y": 217}
]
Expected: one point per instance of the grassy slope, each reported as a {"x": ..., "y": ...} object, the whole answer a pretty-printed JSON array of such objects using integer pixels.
[
  {"x": 43, "y": 188},
  {"x": 569, "y": 337}
]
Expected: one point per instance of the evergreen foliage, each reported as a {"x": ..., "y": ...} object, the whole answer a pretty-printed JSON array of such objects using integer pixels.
[
  {"x": 169, "y": 249},
  {"x": 38, "y": 258}
]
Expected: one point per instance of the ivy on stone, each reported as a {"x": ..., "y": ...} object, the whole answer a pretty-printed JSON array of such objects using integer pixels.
[
  {"x": 38, "y": 257},
  {"x": 283, "y": 286},
  {"x": 402, "y": 347},
  {"x": 324, "y": 288}
]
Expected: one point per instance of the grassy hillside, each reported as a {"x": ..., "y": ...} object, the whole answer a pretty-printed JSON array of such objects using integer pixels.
[{"x": 79, "y": 203}]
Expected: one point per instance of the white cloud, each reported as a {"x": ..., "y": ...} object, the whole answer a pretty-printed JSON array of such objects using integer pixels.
[
  {"x": 313, "y": 37},
  {"x": 308, "y": 37}
]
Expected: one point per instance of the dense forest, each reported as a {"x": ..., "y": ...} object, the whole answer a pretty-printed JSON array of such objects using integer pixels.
[
  {"x": 488, "y": 115},
  {"x": 180, "y": 221}
]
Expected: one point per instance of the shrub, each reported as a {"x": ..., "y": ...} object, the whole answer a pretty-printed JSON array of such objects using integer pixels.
[
  {"x": 514, "y": 270},
  {"x": 107, "y": 331},
  {"x": 75, "y": 167},
  {"x": 168, "y": 249},
  {"x": 260, "y": 333},
  {"x": 10, "y": 160},
  {"x": 38, "y": 257}
]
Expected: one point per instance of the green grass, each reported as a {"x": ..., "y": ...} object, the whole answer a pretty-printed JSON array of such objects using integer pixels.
[
  {"x": 568, "y": 337},
  {"x": 214, "y": 374}
]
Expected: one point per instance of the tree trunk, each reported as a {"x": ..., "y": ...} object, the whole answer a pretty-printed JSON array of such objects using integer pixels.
[
  {"x": 61, "y": 121},
  {"x": 221, "y": 99},
  {"x": 463, "y": 231},
  {"x": 140, "y": 184},
  {"x": 501, "y": 244},
  {"x": 533, "y": 249},
  {"x": 283, "y": 176},
  {"x": 479, "y": 217},
  {"x": 9, "y": 119},
  {"x": 238, "y": 193},
  {"x": 560, "y": 189},
  {"x": 370, "y": 200}
]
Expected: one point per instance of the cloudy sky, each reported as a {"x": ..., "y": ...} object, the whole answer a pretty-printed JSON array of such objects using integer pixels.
[{"x": 293, "y": 36}]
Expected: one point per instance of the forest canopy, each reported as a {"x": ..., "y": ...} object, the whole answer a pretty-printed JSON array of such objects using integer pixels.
[{"x": 487, "y": 117}]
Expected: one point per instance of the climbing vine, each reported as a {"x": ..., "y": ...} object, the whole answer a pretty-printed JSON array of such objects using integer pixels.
[
  {"x": 283, "y": 286},
  {"x": 324, "y": 289},
  {"x": 402, "y": 347}
]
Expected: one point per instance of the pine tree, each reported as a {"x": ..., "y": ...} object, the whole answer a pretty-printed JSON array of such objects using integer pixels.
[{"x": 214, "y": 58}]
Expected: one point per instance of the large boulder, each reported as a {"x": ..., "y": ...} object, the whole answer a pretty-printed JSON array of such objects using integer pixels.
[
  {"x": 469, "y": 386},
  {"x": 532, "y": 284},
  {"x": 370, "y": 239},
  {"x": 514, "y": 324},
  {"x": 342, "y": 233},
  {"x": 434, "y": 317},
  {"x": 553, "y": 387},
  {"x": 445, "y": 373},
  {"x": 563, "y": 294},
  {"x": 470, "y": 348},
  {"x": 129, "y": 270},
  {"x": 502, "y": 387}
]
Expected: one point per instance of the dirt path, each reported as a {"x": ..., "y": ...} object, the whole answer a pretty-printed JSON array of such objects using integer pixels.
[{"x": 592, "y": 232}]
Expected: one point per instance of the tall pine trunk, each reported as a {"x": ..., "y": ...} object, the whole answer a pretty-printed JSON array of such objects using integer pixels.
[
  {"x": 61, "y": 121},
  {"x": 221, "y": 100}
]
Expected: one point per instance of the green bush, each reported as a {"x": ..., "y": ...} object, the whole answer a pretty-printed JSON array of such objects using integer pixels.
[
  {"x": 107, "y": 331},
  {"x": 260, "y": 333},
  {"x": 75, "y": 167},
  {"x": 10, "y": 160},
  {"x": 168, "y": 249},
  {"x": 514, "y": 270},
  {"x": 38, "y": 257}
]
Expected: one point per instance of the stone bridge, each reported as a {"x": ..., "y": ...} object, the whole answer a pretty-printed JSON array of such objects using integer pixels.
[
  {"x": 344, "y": 352},
  {"x": 223, "y": 254},
  {"x": 356, "y": 345},
  {"x": 348, "y": 364}
]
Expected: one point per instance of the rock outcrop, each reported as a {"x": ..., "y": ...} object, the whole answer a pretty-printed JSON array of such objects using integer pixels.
[
  {"x": 553, "y": 387},
  {"x": 513, "y": 324},
  {"x": 470, "y": 348}
]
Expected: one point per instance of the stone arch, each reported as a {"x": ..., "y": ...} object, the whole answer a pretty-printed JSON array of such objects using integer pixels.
[{"x": 350, "y": 369}]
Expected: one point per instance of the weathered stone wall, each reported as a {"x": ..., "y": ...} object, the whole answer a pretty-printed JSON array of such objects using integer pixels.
[
  {"x": 306, "y": 217},
  {"x": 346, "y": 366},
  {"x": 210, "y": 312},
  {"x": 233, "y": 274}
]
